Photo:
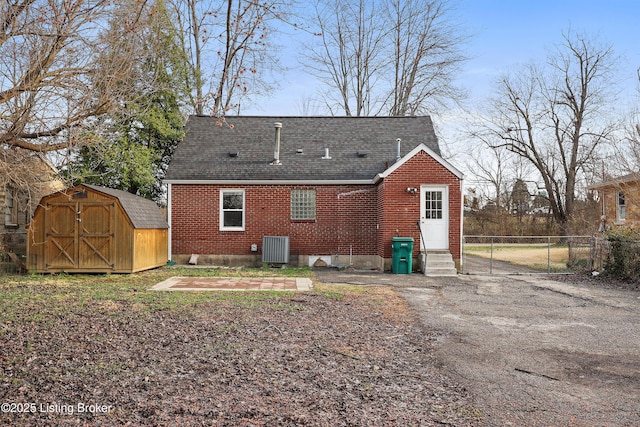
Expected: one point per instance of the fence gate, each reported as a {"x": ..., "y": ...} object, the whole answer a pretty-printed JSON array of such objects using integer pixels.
[{"x": 79, "y": 235}]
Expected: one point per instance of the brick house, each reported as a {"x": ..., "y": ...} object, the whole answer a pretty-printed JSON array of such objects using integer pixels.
[
  {"x": 338, "y": 188},
  {"x": 619, "y": 200},
  {"x": 24, "y": 178}
]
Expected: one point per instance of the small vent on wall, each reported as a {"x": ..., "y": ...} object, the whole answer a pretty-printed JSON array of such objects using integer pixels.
[{"x": 275, "y": 249}]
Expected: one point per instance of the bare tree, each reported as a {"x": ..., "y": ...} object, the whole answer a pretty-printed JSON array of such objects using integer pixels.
[
  {"x": 554, "y": 117},
  {"x": 426, "y": 57},
  {"x": 386, "y": 57},
  {"x": 490, "y": 172},
  {"x": 228, "y": 49},
  {"x": 349, "y": 59},
  {"x": 49, "y": 79}
]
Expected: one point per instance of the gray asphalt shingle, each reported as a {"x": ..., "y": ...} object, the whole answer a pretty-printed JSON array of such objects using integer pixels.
[
  {"x": 144, "y": 213},
  {"x": 204, "y": 152}
]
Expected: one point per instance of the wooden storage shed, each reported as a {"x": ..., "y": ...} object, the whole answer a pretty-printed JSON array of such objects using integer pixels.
[{"x": 95, "y": 229}]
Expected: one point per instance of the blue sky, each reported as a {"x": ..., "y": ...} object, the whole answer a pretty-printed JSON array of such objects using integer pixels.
[
  {"x": 503, "y": 34},
  {"x": 507, "y": 33}
]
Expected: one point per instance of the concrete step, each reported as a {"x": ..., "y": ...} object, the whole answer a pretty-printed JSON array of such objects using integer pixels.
[
  {"x": 440, "y": 272},
  {"x": 440, "y": 264}
]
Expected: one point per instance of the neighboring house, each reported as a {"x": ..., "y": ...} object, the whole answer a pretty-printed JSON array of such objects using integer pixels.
[
  {"x": 339, "y": 188},
  {"x": 619, "y": 200},
  {"x": 24, "y": 178}
]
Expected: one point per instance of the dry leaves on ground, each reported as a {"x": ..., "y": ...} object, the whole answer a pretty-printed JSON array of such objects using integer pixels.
[{"x": 326, "y": 358}]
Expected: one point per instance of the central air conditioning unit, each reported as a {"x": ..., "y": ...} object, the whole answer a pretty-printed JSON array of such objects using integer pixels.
[{"x": 275, "y": 249}]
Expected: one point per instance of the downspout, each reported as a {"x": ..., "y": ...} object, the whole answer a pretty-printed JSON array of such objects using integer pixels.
[
  {"x": 169, "y": 221},
  {"x": 461, "y": 225}
]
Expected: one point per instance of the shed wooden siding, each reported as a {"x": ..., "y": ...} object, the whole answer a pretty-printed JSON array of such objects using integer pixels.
[
  {"x": 85, "y": 230},
  {"x": 150, "y": 248},
  {"x": 346, "y": 220}
]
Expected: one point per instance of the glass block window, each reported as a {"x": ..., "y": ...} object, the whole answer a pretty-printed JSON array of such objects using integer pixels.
[
  {"x": 232, "y": 210},
  {"x": 433, "y": 204},
  {"x": 303, "y": 204}
]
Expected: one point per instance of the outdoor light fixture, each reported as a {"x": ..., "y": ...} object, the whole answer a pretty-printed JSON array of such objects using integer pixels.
[{"x": 412, "y": 190}]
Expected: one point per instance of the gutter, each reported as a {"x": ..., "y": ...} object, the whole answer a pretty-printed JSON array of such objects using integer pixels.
[{"x": 273, "y": 181}]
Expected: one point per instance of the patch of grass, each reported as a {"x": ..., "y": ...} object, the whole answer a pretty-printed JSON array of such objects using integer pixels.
[
  {"x": 332, "y": 295},
  {"x": 240, "y": 271},
  {"x": 40, "y": 298},
  {"x": 534, "y": 256}
]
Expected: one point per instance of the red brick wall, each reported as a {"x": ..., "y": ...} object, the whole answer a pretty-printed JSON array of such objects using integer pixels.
[
  {"x": 365, "y": 216},
  {"x": 345, "y": 215},
  {"x": 401, "y": 210}
]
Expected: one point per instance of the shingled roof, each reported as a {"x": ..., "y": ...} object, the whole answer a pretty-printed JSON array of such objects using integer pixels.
[
  {"x": 143, "y": 213},
  {"x": 242, "y": 148}
]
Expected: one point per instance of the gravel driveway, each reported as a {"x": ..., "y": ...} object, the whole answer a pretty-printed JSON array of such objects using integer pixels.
[
  {"x": 533, "y": 351},
  {"x": 537, "y": 352}
]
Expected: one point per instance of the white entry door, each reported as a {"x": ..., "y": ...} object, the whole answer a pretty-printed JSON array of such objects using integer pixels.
[{"x": 434, "y": 217}]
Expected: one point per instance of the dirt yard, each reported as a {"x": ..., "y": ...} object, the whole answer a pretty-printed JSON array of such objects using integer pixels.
[{"x": 75, "y": 353}]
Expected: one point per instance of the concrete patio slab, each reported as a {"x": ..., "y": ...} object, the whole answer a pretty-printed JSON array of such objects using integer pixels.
[{"x": 180, "y": 283}]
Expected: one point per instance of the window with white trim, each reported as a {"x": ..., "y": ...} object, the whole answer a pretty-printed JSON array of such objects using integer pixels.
[
  {"x": 622, "y": 209},
  {"x": 10, "y": 207},
  {"x": 303, "y": 205},
  {"x": 232, "y": 210}
]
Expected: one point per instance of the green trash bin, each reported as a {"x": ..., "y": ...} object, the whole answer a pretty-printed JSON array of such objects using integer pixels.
[{"x": 402, "y": 255}]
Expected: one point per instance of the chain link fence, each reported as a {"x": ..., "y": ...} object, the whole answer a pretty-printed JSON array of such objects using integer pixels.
[{"x": 532, "y": 254}]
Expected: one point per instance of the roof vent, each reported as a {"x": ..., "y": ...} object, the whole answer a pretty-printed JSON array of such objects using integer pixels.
[
  {"x": 276, "y": 151},
  {"x": 233, "y": 153},
  {"x": 363, "y": 153},
  {"x": 398, "y": 156},
  {"x": 299, "y": 151},
  {"x": 326, "y": 154}
]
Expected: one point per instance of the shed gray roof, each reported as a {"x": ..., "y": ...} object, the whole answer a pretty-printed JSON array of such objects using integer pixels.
[
  {"x": 204, "y": 152},
  {"x": 143, "y": 213}
]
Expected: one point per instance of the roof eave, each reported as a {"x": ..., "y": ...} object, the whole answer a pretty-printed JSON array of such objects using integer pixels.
[
  {"x": 271, "y": 181},
  {"x": 410, "y": 154}
]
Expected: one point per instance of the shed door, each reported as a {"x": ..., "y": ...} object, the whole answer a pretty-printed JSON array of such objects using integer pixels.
[
  {"x": 80, "y": 235},
  {"x": 96, "y": 235},
  {"x": 61, "y": 251},
  {"x": 434, "y": 217}
]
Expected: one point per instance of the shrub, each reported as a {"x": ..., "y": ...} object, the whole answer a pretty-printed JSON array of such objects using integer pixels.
[{"x": 623, "y": 260}]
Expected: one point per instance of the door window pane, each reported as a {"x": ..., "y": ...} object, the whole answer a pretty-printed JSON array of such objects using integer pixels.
[{"x": 433, "y": 204}]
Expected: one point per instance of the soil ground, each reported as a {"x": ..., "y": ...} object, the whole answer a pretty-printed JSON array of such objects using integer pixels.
[
  {"x": 395, "y": 350},
  {"x": 333, "y": 356}
]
